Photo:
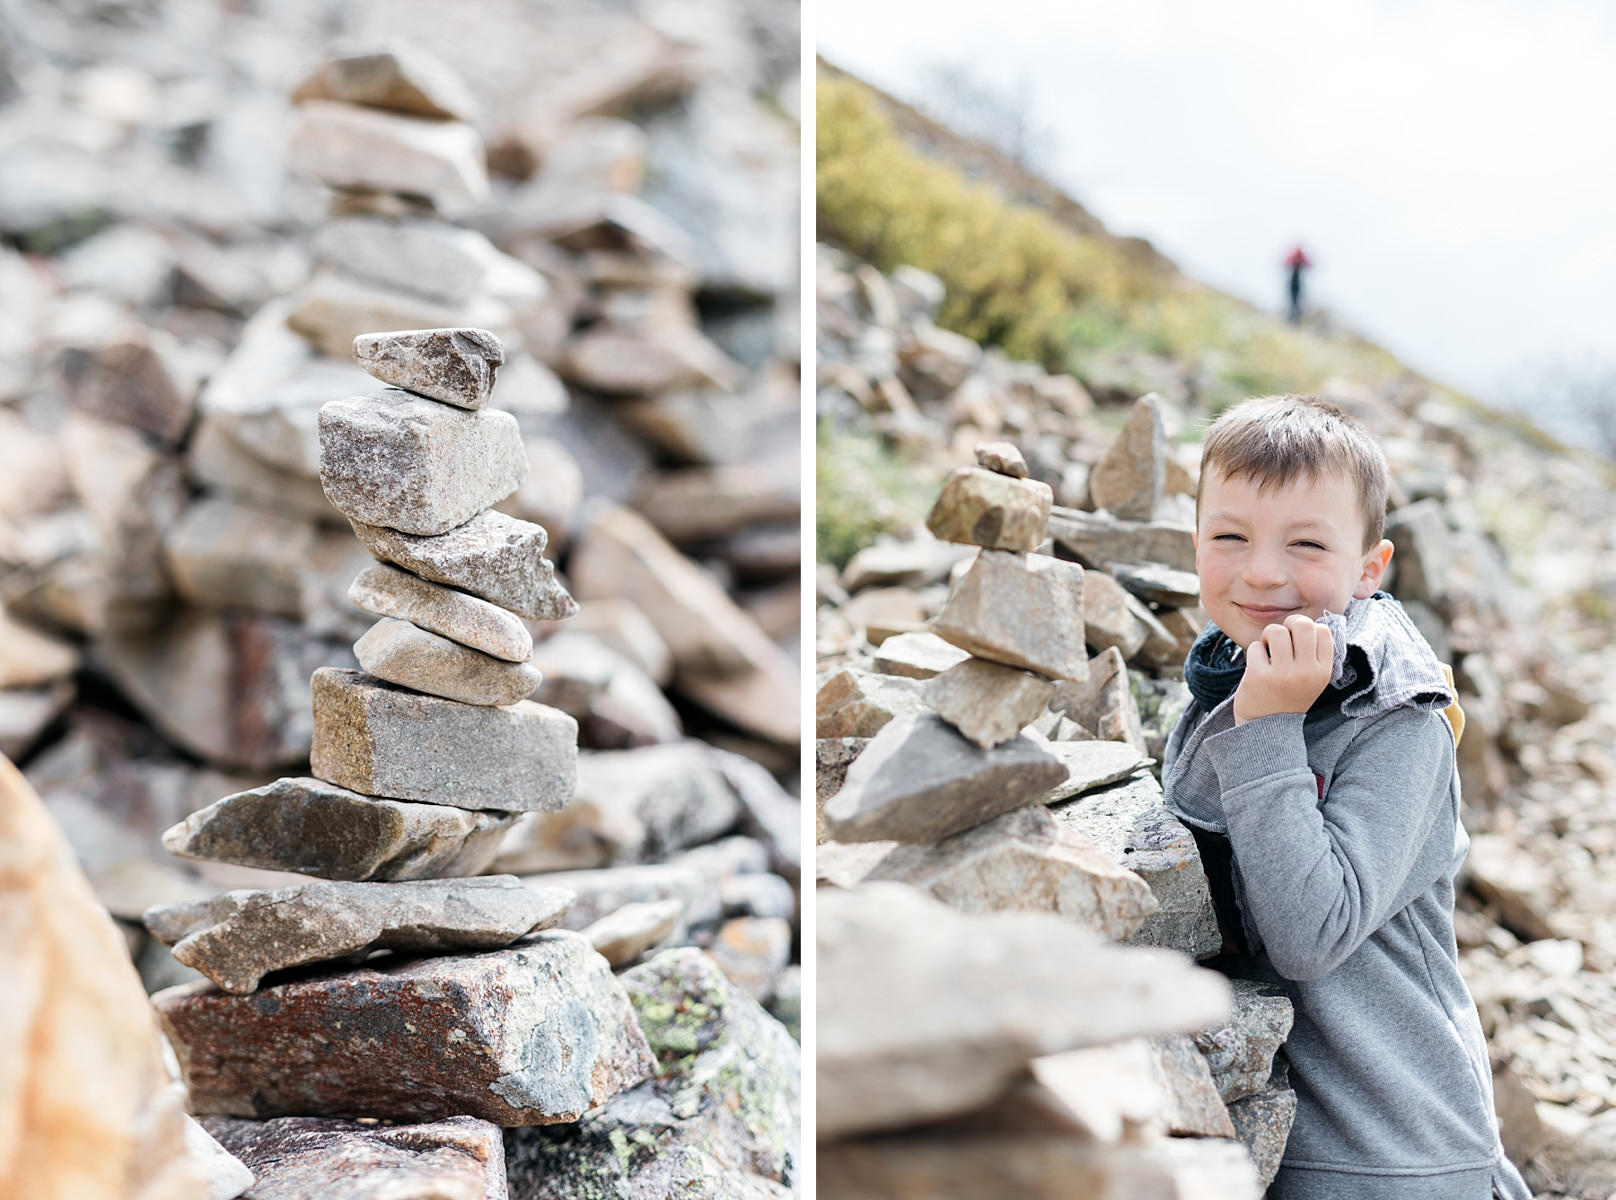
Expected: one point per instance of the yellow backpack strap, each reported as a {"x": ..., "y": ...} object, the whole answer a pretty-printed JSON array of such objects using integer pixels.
[{"x": 1453, "y": 712}]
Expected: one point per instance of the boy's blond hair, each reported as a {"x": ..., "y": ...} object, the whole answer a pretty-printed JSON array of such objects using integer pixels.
[{"x": 1272, "y": 440}]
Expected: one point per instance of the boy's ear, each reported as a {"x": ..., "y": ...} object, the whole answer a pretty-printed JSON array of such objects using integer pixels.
[{"x": 1374, "y": 570}]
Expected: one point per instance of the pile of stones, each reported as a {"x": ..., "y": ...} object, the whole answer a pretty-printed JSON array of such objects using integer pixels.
[
  {"x": 985, "y": 764},
  {"x": 172, "y": 571},
  {"x": 419, "y": 763}
]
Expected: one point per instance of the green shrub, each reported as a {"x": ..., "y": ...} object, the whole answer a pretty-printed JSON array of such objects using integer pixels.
[{"x": 864, "y": 487}]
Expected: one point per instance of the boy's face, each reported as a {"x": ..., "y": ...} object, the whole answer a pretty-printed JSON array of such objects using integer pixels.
[{"x": 1294, "y": 548}]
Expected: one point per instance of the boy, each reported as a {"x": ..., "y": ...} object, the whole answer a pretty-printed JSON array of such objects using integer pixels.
[{"x": 1317, "y": 769}]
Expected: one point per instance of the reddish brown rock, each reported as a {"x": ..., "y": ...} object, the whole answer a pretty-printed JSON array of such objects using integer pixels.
[
  {"x": 316, "y": 1158},
  {"x": 531, "y": 1035}
]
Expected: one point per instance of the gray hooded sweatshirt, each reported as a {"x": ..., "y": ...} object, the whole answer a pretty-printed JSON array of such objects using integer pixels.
[{"x": 1345, "y": 832}]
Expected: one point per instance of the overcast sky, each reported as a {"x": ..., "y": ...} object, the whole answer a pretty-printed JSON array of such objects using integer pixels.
[{"x": 1450, "y": 165}]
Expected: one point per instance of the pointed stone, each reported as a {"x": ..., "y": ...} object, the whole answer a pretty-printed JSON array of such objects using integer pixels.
[
  {"x": 498, "y": 558},
  {"x": 1129, "y": 481},
  {"x": 1025, "y": 861},
  {"x": 983, "y": 508},
  {"x": 889, "y": 1055},
  {"x": 415, "y": 465},
  {"x": 228, "y": 1177},
  {"x": 319, "y": 1158},
  {"x": 854, "y": 703},
  {"x": 390, "y": 592},
  {"x": 1022, "y": 610},
  {"x": 1107, "y": 619},
  {"x": 456, "y": 366},
  {"x": 398, "y": 652},
  {"x": 238, "y": 937},
  {"x": 986, "y": 702},
  {"x": 1130, "y": 823},
  {"x": 536, "y": 1033},
  {"x": 1104, "y": 701},
  {"x": 382, "y": 740},
  {"x": 918, "y": 781},
  {"x": 316, "y": 828},
  {"x": 399, "y": 79},
  {"x": 368, "y": 150}
]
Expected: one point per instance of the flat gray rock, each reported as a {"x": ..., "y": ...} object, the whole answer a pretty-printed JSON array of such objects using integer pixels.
[
  {"x": 720, "y": 1120},
  {"x": 917, "y": 655},
  {"x": 456, "y": 366},
  {"x": 414, "y": 465},
  {"x": 316, "y": 828},
  {"x": 918, "y": 780},
  {"x": 368, "y": 150},
  {"x": 319, "y": 1158},
  {"x": 1099, "y": 537},
  {"x": 390, "y": 592},
  {"x": 496, "y": 557},
  {"x": 400, "y": 653},
  {"x": 536, "y": 1033},
  {"x": 948, "y": 1166},
  {"x": 1091, "y": 765},
  {"x": 382, "y": 740},
  {"x": 435, "y": 259},
  {"x": 926, "y": 1013},
  {"x": 237, "y": 938},
  {"x": 1025, "y": 861}
]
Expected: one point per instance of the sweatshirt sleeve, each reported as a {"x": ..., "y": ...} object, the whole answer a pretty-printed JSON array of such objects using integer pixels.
[{"x": 1321, "y": 877}]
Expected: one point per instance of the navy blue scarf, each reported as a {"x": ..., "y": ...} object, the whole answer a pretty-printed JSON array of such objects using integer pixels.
[{"x": 1215, "y": 665}]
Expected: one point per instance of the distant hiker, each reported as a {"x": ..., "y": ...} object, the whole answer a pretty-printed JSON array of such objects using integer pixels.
[{"x": 1298, "y": 261}]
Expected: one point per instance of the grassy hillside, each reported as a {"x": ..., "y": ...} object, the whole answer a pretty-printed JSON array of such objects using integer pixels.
[{"x": 1029, "y": 271}]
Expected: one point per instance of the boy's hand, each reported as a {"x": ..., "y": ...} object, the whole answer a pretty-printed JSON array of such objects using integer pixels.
[{"x": 1286, "y": 669}]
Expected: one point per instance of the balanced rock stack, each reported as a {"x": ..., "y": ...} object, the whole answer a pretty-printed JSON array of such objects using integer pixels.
[
  {"x": 420, "y": 762},
  {"x": 969, "y": 780}
]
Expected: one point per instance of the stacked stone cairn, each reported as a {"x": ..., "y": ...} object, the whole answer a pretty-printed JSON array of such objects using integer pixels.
[
  {"x": 419, "y": 764},
  {"x": 987, "y": 798}
]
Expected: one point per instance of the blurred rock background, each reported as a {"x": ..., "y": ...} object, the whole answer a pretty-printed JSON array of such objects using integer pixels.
[
  {"x": 179, "y": 295},
  {"x": 962, "y": 300}
]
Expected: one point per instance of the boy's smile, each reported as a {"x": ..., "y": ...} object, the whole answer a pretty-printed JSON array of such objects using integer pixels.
[{"x": 1265, "y": 553}]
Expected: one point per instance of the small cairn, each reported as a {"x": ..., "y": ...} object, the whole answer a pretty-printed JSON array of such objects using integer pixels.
[{"x": 419, "y": 764}]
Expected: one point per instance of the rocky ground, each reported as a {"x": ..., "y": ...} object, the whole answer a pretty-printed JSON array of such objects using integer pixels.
[
  {"x": 1504, "y": 558},
  {"x": 200, "y": 210}
]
